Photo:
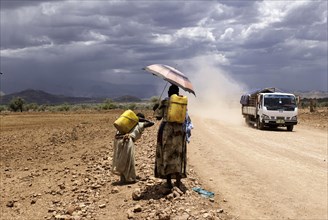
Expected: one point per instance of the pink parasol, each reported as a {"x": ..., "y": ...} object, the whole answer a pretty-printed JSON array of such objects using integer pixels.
[{"x": 171, "y": 75}]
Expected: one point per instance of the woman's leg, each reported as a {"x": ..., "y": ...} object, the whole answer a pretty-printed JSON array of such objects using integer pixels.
[
  {"x": 169, "y": 181},
  {"x": 122, "y": 179},
  {"x": 178, "y": 182}
]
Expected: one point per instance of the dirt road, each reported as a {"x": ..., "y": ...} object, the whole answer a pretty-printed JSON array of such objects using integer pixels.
[{"x": 263, "y": 174}]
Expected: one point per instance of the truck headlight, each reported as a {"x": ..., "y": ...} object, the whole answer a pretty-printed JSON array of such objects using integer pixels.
[
  {"x": 294, "y": 118},
  {"x": 265, "y": 117}
]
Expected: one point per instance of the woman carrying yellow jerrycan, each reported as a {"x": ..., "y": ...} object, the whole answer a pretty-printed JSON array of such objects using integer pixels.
[
  {"x": 129, "y": 129},
  {"x": 173, "y": 135}
]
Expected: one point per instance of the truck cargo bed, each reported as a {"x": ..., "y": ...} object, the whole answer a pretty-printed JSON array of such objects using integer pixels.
[{"x": 249, "y": 110}]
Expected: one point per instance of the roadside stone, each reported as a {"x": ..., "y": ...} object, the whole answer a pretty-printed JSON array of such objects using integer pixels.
[
  {"x": 55, "y": 201},
  {"x": 115, "y": 190},
  {"x": 137, "y": 208},
  {"x": 96, "y": 186},
  {"x": 102, "y": 206},
  {"x": 51, "y": 209},
  {"x": 206, "y": 216},
  {"x": 61, "y": 217},
  {"x": 70, "y": 209},
  {"x": 130, "y": 214},
  {"x": 170, "y": 197},
  {"x": 164, "y": 216},
  {"x": 184, "y": 216},
  {"x": 136, "y": 195},
  {"x": 187, "y": 211},
  {"x": 81, "y": 206},
  {"x": 176, "y": 189},
  {"x": 152, "y": 215},
  {"x": 62, "y": 186},
  {"x": 176, "y": 194},
  {"x": 10, "y": 204}
]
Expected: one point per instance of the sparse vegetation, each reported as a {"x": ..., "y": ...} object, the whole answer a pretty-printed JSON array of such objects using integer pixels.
[
  {"x": 132, "y": 106},
  {"x": 31, "y": 107},
  {"x": 17, "y": 104},
  {"x": 108, "y": 104},
  {"x": 79, "y": 107},
  {"x": 154, "y": 99},
  {"x": 3, "y": 108},
  {"x": 64, "y": 107},
  {"x": 42, "y": 108},
  {"x": 313, "y": 103}
]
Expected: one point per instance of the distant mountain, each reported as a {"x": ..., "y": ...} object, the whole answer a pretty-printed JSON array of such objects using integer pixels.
[
  {"x": 127, "y": 98},
  {"x": 89, "y": 88},
  {"x": 312, "y": 94},
  {"x": 41, "y": 97}
]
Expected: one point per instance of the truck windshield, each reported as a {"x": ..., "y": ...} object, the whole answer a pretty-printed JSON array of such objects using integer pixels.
[{"x": 280, "y": 102}]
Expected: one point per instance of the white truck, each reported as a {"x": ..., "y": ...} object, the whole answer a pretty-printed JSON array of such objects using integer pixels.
[{"x": 270, "y": 108}]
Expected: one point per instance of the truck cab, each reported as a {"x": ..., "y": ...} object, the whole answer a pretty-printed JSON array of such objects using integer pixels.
[
  {"x": 277, "y": 110},
  {"x": 269, "y": 108}
]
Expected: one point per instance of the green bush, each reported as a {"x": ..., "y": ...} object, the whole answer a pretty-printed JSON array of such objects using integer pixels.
[
  {"x": 17, "y": 104},
  {"x": 42, "y": 108},
  {"x": 132, "y": 106},
  {"x": 108, "y": 104},
  {"x": 323, "y": 104},
  {"x": 64, "y": 107},
  {"x": 154, "y": 99},
  {"x": 31, "y": 106},
  {"x": 3, "y": 108},
  {"x": 79, "y": 107},
  {"x": 85, "y": 106},
  {"x": 316, "y": 102}
]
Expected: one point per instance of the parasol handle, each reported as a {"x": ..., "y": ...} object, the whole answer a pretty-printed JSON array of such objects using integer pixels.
[{"x": 160, "y": 98}]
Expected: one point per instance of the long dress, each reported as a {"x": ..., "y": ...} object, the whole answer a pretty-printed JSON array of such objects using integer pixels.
[
  {"x": 124, "y": 153},
  {"x": 171, "y": 147}
]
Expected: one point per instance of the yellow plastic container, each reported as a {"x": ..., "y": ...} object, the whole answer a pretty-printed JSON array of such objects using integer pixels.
[
  {"x": 126, "y": 121},
  {"x": 177, "y": 109}
]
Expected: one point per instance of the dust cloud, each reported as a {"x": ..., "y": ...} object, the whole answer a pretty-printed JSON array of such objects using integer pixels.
[{"x": 217, "y": 94}]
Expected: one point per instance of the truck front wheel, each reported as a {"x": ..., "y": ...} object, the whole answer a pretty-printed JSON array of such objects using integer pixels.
[
  {"x": 290, "y": 127},
  {"x": 260, "y": 125}
]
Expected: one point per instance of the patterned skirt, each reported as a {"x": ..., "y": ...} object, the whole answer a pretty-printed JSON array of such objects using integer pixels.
[{"x": 171, "y": 151}]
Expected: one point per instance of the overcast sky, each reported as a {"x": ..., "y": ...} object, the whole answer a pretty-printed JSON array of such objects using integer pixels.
[{"x": 84, "y": 48}]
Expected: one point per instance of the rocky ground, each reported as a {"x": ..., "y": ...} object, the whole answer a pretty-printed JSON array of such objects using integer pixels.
[
  {"x": 58, "y": 166},
  {"x": 317, "y": 119}
]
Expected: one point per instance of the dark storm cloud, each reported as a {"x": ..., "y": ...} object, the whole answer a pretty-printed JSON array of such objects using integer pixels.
[
  {"x": 314, "y": 13},
  {"x": 75, "y": 47},
  {"x": 14, "y": 4}
]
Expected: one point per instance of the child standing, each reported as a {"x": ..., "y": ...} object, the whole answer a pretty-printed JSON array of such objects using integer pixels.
[{"x": 124, "y": 151}]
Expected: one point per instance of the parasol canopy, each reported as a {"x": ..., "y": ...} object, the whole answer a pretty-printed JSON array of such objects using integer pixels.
[{"x": 171, "y": 75}]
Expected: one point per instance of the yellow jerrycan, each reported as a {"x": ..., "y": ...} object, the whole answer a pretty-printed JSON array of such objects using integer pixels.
[
  {"x": 126, "y": 121},
  {"x": 177, "y": 108}
]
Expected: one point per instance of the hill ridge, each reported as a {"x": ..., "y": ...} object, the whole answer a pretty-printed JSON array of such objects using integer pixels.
[{"x": 41, "y": 97}]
